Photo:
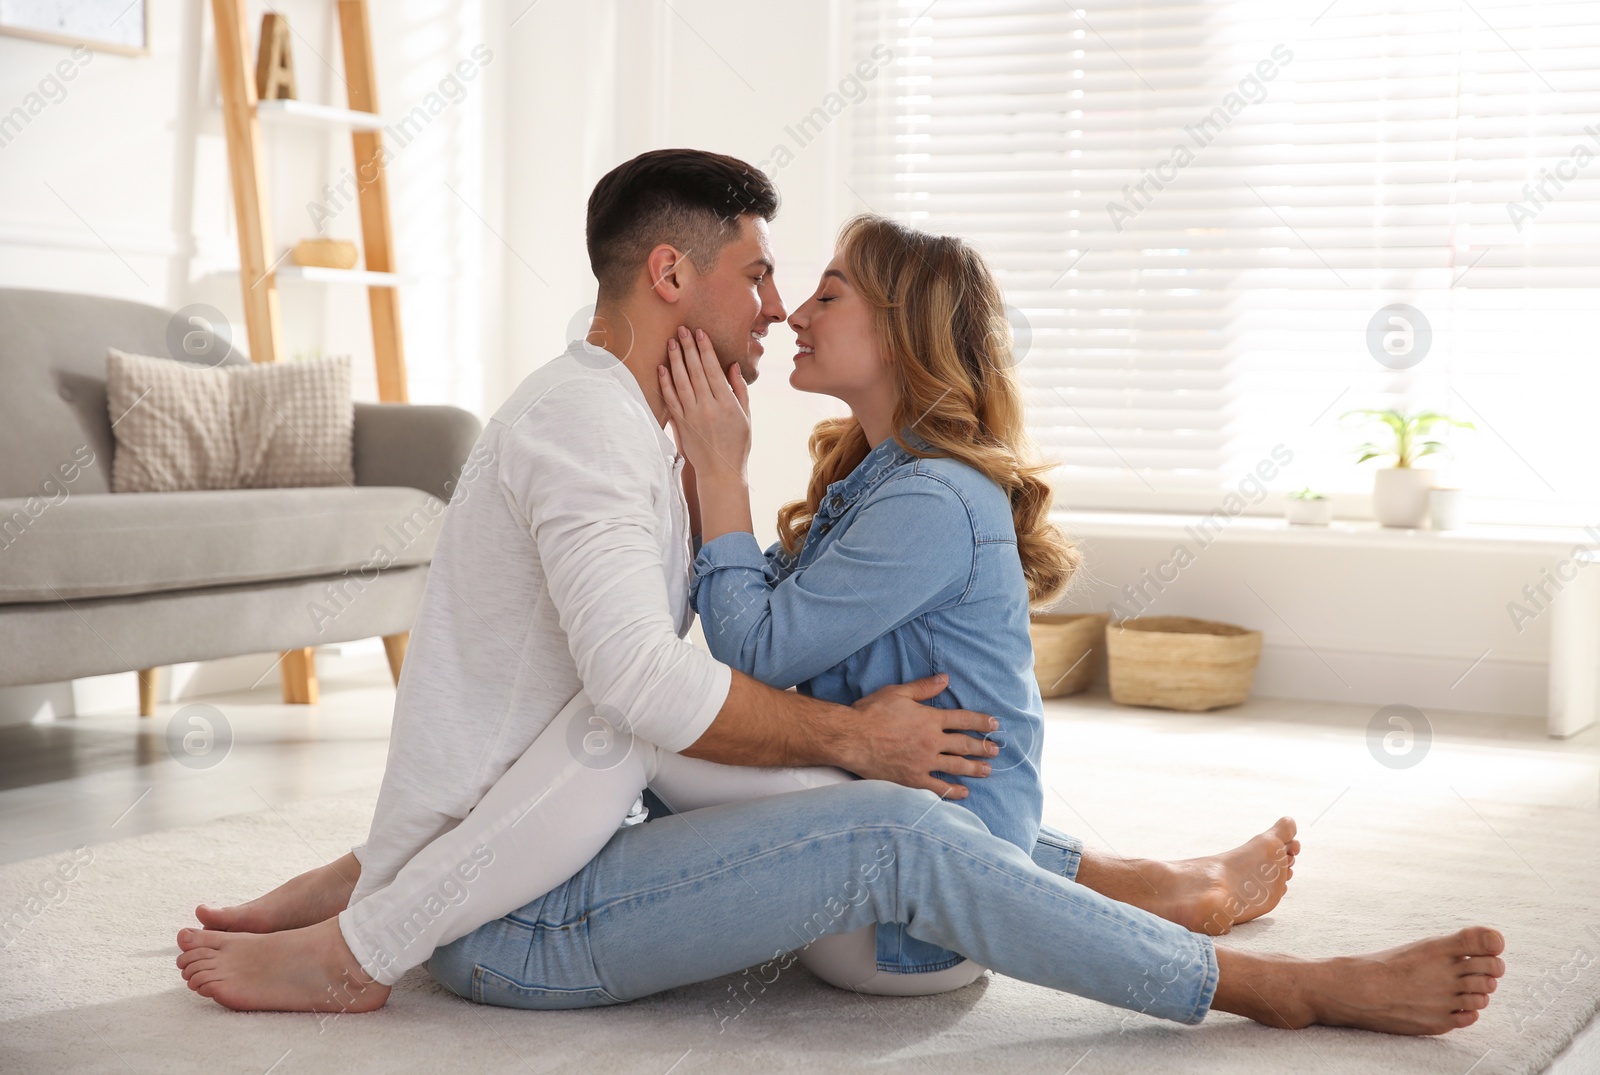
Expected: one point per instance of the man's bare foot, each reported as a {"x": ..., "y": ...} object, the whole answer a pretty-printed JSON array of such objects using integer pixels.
[
  {"x": 296, "y": 970},
  {"x": 1203, "y": 895},
  {"x": 1427, "y": 987},
  {"x": 1212, "y": 895},
  {"x": 314, "y": 896}
]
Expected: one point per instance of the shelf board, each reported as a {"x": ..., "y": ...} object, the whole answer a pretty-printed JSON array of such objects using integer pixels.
[
  {"x": 320, "y": 275},
  {"x": 316, "y": 274},
  {"x": 288, "y": 110}
]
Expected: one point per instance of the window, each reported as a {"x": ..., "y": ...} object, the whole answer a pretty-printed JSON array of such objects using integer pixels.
[{"x": 1224, "y": 223}]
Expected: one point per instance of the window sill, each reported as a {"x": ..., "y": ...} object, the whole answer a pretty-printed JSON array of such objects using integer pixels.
[{"x": 1263, "y": 529}]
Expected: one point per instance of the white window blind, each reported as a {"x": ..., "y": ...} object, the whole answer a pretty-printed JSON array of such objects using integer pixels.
[{"x": 1199, "y": 208}]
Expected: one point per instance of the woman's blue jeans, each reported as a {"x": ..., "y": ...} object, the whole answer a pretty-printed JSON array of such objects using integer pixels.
[{"x": 701, "y": 894}]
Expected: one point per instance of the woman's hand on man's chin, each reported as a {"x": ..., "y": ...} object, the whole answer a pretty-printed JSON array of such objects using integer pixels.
[{"x": 710, "y": 408}]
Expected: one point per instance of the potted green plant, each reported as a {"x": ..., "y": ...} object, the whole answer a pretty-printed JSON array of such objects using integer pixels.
[
  {"x": 1308, "y": 508},
  {"x": 1400, "y": 491}
]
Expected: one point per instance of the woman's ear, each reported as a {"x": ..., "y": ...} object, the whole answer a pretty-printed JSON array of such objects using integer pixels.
[{"x": 664, "y": 266}]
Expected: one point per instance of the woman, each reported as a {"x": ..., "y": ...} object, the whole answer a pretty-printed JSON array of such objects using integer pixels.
[{"x": 922, "y": 538}]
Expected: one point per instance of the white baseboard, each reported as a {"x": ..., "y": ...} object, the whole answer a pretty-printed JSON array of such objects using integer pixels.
[
  {"x": 35, "y": 702},
  {"x": 1513, "y": 687}
]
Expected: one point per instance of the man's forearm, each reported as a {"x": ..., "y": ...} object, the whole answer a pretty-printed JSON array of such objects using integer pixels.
[
  {"x": 891, "y": 734},
  {"x": 761, "y": 726}
]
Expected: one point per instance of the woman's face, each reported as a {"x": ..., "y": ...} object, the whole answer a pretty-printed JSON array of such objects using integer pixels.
[{"x": 838, "y": 351}]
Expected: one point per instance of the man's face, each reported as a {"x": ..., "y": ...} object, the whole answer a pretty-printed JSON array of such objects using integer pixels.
[{"x": 736, "y": 302}]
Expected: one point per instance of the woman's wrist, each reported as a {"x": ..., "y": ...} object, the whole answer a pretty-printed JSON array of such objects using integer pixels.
[{"x": 724, "y": 506}]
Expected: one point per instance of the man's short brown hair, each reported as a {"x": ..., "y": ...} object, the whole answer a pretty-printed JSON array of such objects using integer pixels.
[{"x": 687, "y": 198}]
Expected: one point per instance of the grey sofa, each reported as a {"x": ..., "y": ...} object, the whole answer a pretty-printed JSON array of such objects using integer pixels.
[{"x": 93, "y": 582}]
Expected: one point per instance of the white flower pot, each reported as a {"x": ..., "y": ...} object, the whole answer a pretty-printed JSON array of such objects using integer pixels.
[
  {"x": 1400, "y": 496},
  {"x": 1301, "y": 512}
]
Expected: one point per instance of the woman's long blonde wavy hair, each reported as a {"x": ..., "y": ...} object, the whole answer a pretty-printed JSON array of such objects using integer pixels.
[{"x": 941, "y": 326}]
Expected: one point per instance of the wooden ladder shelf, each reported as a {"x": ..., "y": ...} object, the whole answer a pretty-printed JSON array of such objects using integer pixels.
[{"x": 258, "y": 266}]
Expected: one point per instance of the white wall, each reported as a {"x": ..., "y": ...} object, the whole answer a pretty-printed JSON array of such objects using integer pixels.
[{"x": 595, "y": 84}]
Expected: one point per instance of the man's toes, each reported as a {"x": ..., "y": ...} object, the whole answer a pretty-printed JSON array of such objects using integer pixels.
[
  {"x": 1490, "y": 966},
  {"x": 1478, "y": 941}
]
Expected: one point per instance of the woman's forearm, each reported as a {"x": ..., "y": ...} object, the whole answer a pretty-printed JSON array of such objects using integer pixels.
[{"x": 724, "y": 505}]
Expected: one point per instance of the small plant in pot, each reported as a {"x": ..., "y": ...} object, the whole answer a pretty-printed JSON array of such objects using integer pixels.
[
  {"x": 1400, "y": 491},
  {"x": 1308, "y": 508}
]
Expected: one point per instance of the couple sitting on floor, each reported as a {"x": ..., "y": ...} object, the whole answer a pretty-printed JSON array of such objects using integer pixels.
[{"x": 881, "y": 822}]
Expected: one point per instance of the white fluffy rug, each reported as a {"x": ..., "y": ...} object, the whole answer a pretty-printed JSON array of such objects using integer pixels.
[{"x": 88, "y": 983}]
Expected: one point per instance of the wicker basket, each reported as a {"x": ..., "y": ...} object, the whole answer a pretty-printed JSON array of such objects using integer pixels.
[
  {"x": 1174, "y": 662},
  {"x": 325, "y": 253},
  {"x": 1064, "y": 650}
]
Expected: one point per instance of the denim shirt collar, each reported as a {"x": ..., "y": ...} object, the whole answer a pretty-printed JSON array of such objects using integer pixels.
[{"x": 870, "y": 472}]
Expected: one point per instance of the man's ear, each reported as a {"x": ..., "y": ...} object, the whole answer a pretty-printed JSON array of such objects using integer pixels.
[{"x": 669, "y": 272}]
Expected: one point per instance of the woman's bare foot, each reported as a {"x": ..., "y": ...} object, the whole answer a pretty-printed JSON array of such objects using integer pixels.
[
  {"x": 314, "y": 896},
  {"x": 296, "y": 970},
  {"x": 1427, "y": 987},
  {"x": 1203, "y": 895}
]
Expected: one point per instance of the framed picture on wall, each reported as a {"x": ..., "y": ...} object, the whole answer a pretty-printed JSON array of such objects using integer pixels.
[{"x": 107, "y": 25}]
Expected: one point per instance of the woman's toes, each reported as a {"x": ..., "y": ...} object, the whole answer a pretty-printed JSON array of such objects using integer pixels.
[
  {"x": 1461, "y": 1019},
  {"x": 1478, "y": 983},
  {"x": 1473, "y": 1001},
  {"x": 198, "y": 938}
]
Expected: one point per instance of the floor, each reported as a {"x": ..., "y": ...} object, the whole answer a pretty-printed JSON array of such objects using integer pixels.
[{"x": 91, "y": 779}]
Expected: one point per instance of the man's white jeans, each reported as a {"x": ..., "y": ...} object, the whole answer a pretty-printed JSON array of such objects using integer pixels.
[{"x": 552, "y": 812}]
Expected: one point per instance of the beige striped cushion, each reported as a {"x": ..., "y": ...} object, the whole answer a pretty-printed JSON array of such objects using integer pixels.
[{"x": 260, "y": 425}]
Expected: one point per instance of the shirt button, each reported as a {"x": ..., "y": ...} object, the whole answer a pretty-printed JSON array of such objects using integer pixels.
[{"x": 838, "y": 502}]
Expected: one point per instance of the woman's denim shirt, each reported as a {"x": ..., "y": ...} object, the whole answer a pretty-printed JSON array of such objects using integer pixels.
[{"x": 910, "y": 568}]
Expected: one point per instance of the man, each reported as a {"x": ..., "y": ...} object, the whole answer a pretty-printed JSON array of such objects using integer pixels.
[{"x": 568, "y": 575}]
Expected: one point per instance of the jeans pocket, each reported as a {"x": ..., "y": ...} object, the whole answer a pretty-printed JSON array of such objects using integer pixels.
[{"x": 491, "y": 988}]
